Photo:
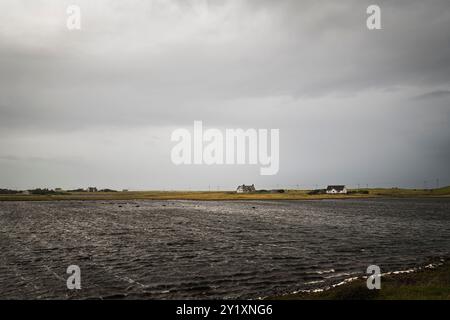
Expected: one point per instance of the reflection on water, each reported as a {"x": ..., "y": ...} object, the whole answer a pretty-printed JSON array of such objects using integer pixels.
[{"x": 191, "y": 249}]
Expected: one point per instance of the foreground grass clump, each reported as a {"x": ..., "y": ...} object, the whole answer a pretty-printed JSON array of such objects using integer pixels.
[{"x": 426, "y": 284}]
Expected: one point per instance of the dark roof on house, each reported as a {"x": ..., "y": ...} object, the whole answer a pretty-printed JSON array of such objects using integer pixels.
[{"x": 336, "y": 187}]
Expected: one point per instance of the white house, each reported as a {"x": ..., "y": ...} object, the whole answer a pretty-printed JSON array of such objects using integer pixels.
[
  {"x": 336, "y": 189},
  {"x": 245, "y": 189}
]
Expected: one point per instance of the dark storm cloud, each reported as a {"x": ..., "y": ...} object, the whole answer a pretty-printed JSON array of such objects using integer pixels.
[
  {"x": 301, "y": 66},
  {"x": 271, "y": 48},
  {"x": 438, "y": 94}
]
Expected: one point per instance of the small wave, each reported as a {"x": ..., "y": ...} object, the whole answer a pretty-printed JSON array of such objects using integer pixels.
[
  {"x": 315, "y": 282},
  {"x": 325, "y": 271},
  {"x": 338, "y": 275}
]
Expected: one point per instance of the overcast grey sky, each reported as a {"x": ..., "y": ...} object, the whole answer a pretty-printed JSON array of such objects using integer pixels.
[{"x": 96, "y": 107}]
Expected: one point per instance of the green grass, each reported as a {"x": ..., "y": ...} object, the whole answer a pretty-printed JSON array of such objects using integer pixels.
[
  {"x": 426, "y": 284},
  {"x": 224, "y": 195},
  {"x": 397, "y": 192}
]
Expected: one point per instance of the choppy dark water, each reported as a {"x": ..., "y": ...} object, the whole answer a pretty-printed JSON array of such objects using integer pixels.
[{"x": 190, "y": 249}]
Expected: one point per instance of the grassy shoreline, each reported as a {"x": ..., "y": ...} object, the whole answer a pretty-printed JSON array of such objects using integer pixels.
[
  {"x": 229, "y": 195},
  {"x": 423, "y": 284}
]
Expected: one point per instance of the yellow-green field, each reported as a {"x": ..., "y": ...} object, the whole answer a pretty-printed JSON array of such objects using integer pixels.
[{"x": 230, "y": 195}]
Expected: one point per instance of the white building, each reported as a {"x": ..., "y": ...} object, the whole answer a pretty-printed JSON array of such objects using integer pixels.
[
  {"x": 336, "y": 189},
  {"x": 245, "y": 189}
]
